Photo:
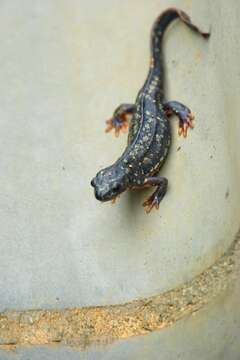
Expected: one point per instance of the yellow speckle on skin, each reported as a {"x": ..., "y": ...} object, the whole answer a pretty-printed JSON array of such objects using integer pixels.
[{"x": 197, "y": 55}]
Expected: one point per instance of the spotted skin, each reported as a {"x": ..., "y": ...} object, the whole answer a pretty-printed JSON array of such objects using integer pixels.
[{"x": 149, "y": 137}]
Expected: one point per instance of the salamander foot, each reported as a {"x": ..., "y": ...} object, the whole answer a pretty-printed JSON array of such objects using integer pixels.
[
  {"x": 119, "y": 120},
  {"x": 155, "y": 199},
  {"x": 183, "y": 113},
  {"x": 118, "y": 123}
]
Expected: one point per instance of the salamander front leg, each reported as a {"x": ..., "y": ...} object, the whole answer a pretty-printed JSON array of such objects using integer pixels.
[
  {"x": 156, "y": 197},
  {"x": 119, "y": 120},
  {"x": 183, "y": 113}
]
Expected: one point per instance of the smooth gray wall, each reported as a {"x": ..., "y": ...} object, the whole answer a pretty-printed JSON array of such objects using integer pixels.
[{"x": 65, "y": 66}]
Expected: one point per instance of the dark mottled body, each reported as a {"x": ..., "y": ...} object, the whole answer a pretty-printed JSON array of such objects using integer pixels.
[{"x": 149, "y": 133}]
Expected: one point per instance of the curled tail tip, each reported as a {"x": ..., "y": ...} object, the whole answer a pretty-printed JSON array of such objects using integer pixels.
[
  {"x": 206, "y": 35},
  {"x": 187, "y": 20}
]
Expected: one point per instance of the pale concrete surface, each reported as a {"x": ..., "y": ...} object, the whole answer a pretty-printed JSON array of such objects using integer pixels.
[
  {"x": 212, "y": 334},
  {"x": 65, "y": 66}
]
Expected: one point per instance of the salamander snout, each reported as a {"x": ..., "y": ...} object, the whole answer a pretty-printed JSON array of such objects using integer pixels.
[
  {"x": 108, "y": 183},
  {"x": 98, "y": 195},
  {"x": 105, "y": 191},
  {"x": 96, "y": 189},
  {"x": 93, "y": 182}
]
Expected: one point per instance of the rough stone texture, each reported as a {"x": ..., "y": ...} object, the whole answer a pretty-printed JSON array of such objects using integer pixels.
[
  {"x": 85, "y": 327},
  {"x": 65, "y": 65},
  {"x": 212, "y": 334}
]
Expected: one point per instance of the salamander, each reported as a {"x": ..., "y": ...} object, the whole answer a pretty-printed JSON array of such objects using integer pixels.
[{"x": 149, "y": 136}]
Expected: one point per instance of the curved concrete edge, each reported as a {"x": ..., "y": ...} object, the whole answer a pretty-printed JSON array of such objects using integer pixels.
[
  {"x": 212, "y": 334},
  {"x": 82, "y": 327}
]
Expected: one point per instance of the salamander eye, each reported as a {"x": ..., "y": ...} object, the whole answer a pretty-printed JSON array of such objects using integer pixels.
[{"x": 116, "y": 187}]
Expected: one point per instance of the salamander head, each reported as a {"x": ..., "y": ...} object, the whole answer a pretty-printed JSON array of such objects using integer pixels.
[{"x": 109, "y": 182}]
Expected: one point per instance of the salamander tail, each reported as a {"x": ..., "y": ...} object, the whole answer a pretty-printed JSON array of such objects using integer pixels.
[{"x": 162, "y": 23}]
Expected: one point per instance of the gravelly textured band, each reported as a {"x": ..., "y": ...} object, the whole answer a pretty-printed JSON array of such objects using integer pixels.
[{"x": 90, "y": 325}]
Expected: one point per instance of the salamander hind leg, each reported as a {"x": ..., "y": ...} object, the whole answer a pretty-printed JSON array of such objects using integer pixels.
[
  {"x": 156, "y": 197},
  {"x": 183, "y": 113},
  {"x": 119, "y": 120}
]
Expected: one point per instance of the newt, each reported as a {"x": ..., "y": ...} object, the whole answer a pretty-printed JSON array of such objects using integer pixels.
[{"x": 149, "y": 137}]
